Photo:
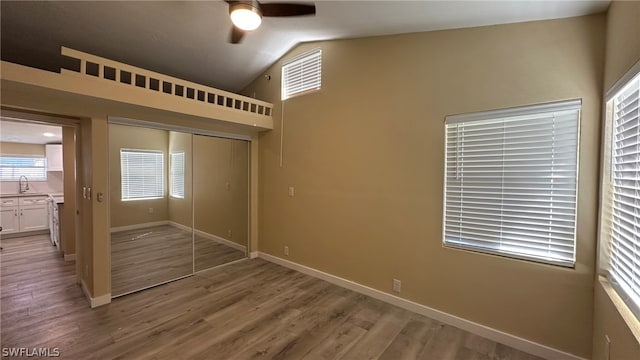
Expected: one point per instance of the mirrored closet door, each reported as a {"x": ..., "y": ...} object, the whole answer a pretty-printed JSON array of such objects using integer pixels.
[
  {"x": 221, "y": 200},
  {"x": 151, "y": 207},
  {"x": 179, "y": 205}
]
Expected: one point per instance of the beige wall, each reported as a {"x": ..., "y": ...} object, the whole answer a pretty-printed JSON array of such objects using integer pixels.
[
  {"x": 366, "y": 155},
  {"x": 93, "y": 245},
  {"x": 181, "y": 210},
  {"x": 608, "y": 322},
  {"x": 99, "y": 209},
  {"x": 220, "y": 187},
  {"x": 254, "y": 194},
  {"x": 11, "y": 148},
  {"x": 623, "y": 40},
  {"x": 622, "y": 52},
  {"x": 124, "y": 213},
  {"x": 85, "y": 242},
  {"x": 68, "y": 215}
]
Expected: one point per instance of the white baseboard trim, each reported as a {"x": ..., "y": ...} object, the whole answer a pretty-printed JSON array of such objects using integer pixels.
[
  {"x": 69, "y": 257},
  {"x": 97, "y": 301},
  {"x": 138, "y": 226},
  {"x": 253, "y": 254},
  {"x": 473, "y": 327},
  {"x": 180, "y": 226},
  {"x": 101, "y": 300},
  {"x": 220, "y": 240}
]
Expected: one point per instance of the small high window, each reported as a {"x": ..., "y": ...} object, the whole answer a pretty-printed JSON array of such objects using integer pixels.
[{"x": 302, "y": 74}]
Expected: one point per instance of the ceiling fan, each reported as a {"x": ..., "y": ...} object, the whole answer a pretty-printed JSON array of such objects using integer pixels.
[{"x": 247, "y": 15}]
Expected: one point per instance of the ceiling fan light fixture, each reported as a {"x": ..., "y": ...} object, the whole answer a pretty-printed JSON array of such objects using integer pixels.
[{"x": 245, "y": 16}]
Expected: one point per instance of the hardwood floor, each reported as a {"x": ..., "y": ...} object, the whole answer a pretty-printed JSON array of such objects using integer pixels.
[
  {"x": 209, "y": 253},
  {"x": 247, "y": 310},
  {"x": 145, "y": 257}
]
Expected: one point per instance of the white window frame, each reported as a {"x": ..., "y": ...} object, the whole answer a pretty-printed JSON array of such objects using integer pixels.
[
  {"x": 174, "y": 191},
  {"x": 302, "y": 74},
  {"x": 39, "y": 164},
  {"x": 480, "y": 228},
  {"x": 614, "y": 238},
  {"x": 124, "y": 172}
]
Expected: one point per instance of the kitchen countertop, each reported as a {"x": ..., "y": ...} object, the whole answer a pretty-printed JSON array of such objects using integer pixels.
[
  {"x": 23, "y": 195},
  {"x": 58, "y": 197}
]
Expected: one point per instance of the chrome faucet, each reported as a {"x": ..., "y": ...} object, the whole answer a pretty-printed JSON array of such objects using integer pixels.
[{"x": 25, "y": 184}]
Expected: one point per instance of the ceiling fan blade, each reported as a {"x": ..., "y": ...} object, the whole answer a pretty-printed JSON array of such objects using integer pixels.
[
  {"x": 286, "y": 9},
  {"x": 236, "y": 35}
]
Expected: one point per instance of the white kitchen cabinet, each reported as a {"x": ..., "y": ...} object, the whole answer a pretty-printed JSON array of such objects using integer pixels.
[
  {"x": 9, "y": 219},
  {"x": 32, "y": 200},
  {"x": 23, "y": 214},
  {"x": 33, "y": 213},
  {"x": 33, "y": 218},
  {"x": 54, "y": 157}
]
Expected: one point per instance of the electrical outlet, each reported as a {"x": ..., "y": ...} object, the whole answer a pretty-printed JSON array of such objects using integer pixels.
[
  {"x": 150, "y": 210},
  {"x": 228, "y": 186},
  {"x": 607, "y": 347},
  {"x": 286, "y": 250},
  {"x": 292, "y": 191},
  {"x": 397, "y": 285},
  {"x": 230, "y": 234}
]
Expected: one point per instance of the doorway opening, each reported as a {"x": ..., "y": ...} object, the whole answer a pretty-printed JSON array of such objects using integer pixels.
[{"x": 38, "y": 192}]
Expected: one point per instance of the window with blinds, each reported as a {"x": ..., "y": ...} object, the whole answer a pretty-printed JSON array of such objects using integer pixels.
[
  {"x": 302, "y": 74},
  {"x": 511, "y": 182},
  {"x": 176, "y": 174},
  {"x": 12, "y": 167},
  {"x": 142, "y": 174},
  {"x": 623, "y": 243}
]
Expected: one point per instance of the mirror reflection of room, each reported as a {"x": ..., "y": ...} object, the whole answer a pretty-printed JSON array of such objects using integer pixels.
[
  {"x": 220, "y": 189},
  {"x": 151, "y": 237}
]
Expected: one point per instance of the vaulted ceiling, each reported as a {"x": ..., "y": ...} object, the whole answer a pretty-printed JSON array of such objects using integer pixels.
[{"x": 188, "y": 39}]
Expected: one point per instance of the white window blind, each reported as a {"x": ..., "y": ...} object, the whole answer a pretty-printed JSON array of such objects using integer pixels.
[
  {"x": 12, "y": 167},
  {"x": 176, "y": 166},
  {"x": 624, "y": 242},
  {"x": 302, "y": 74},
  {"x": 511, "y": 181},
  {"x": 142, "y": 174}
]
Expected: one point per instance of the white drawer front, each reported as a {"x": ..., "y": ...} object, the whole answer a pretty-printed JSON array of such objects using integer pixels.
[
  {"x": 8, "y": 201},
  {"x": 33, "y": 200}
]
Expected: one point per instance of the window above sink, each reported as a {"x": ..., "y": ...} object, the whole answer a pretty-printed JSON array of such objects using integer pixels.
[{"x": 12, "y": 167}]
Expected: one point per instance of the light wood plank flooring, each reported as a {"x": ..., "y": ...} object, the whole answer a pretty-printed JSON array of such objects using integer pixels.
[
  {"x": 145, "y": 257},
  {"x": 247, "y": 310}
]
